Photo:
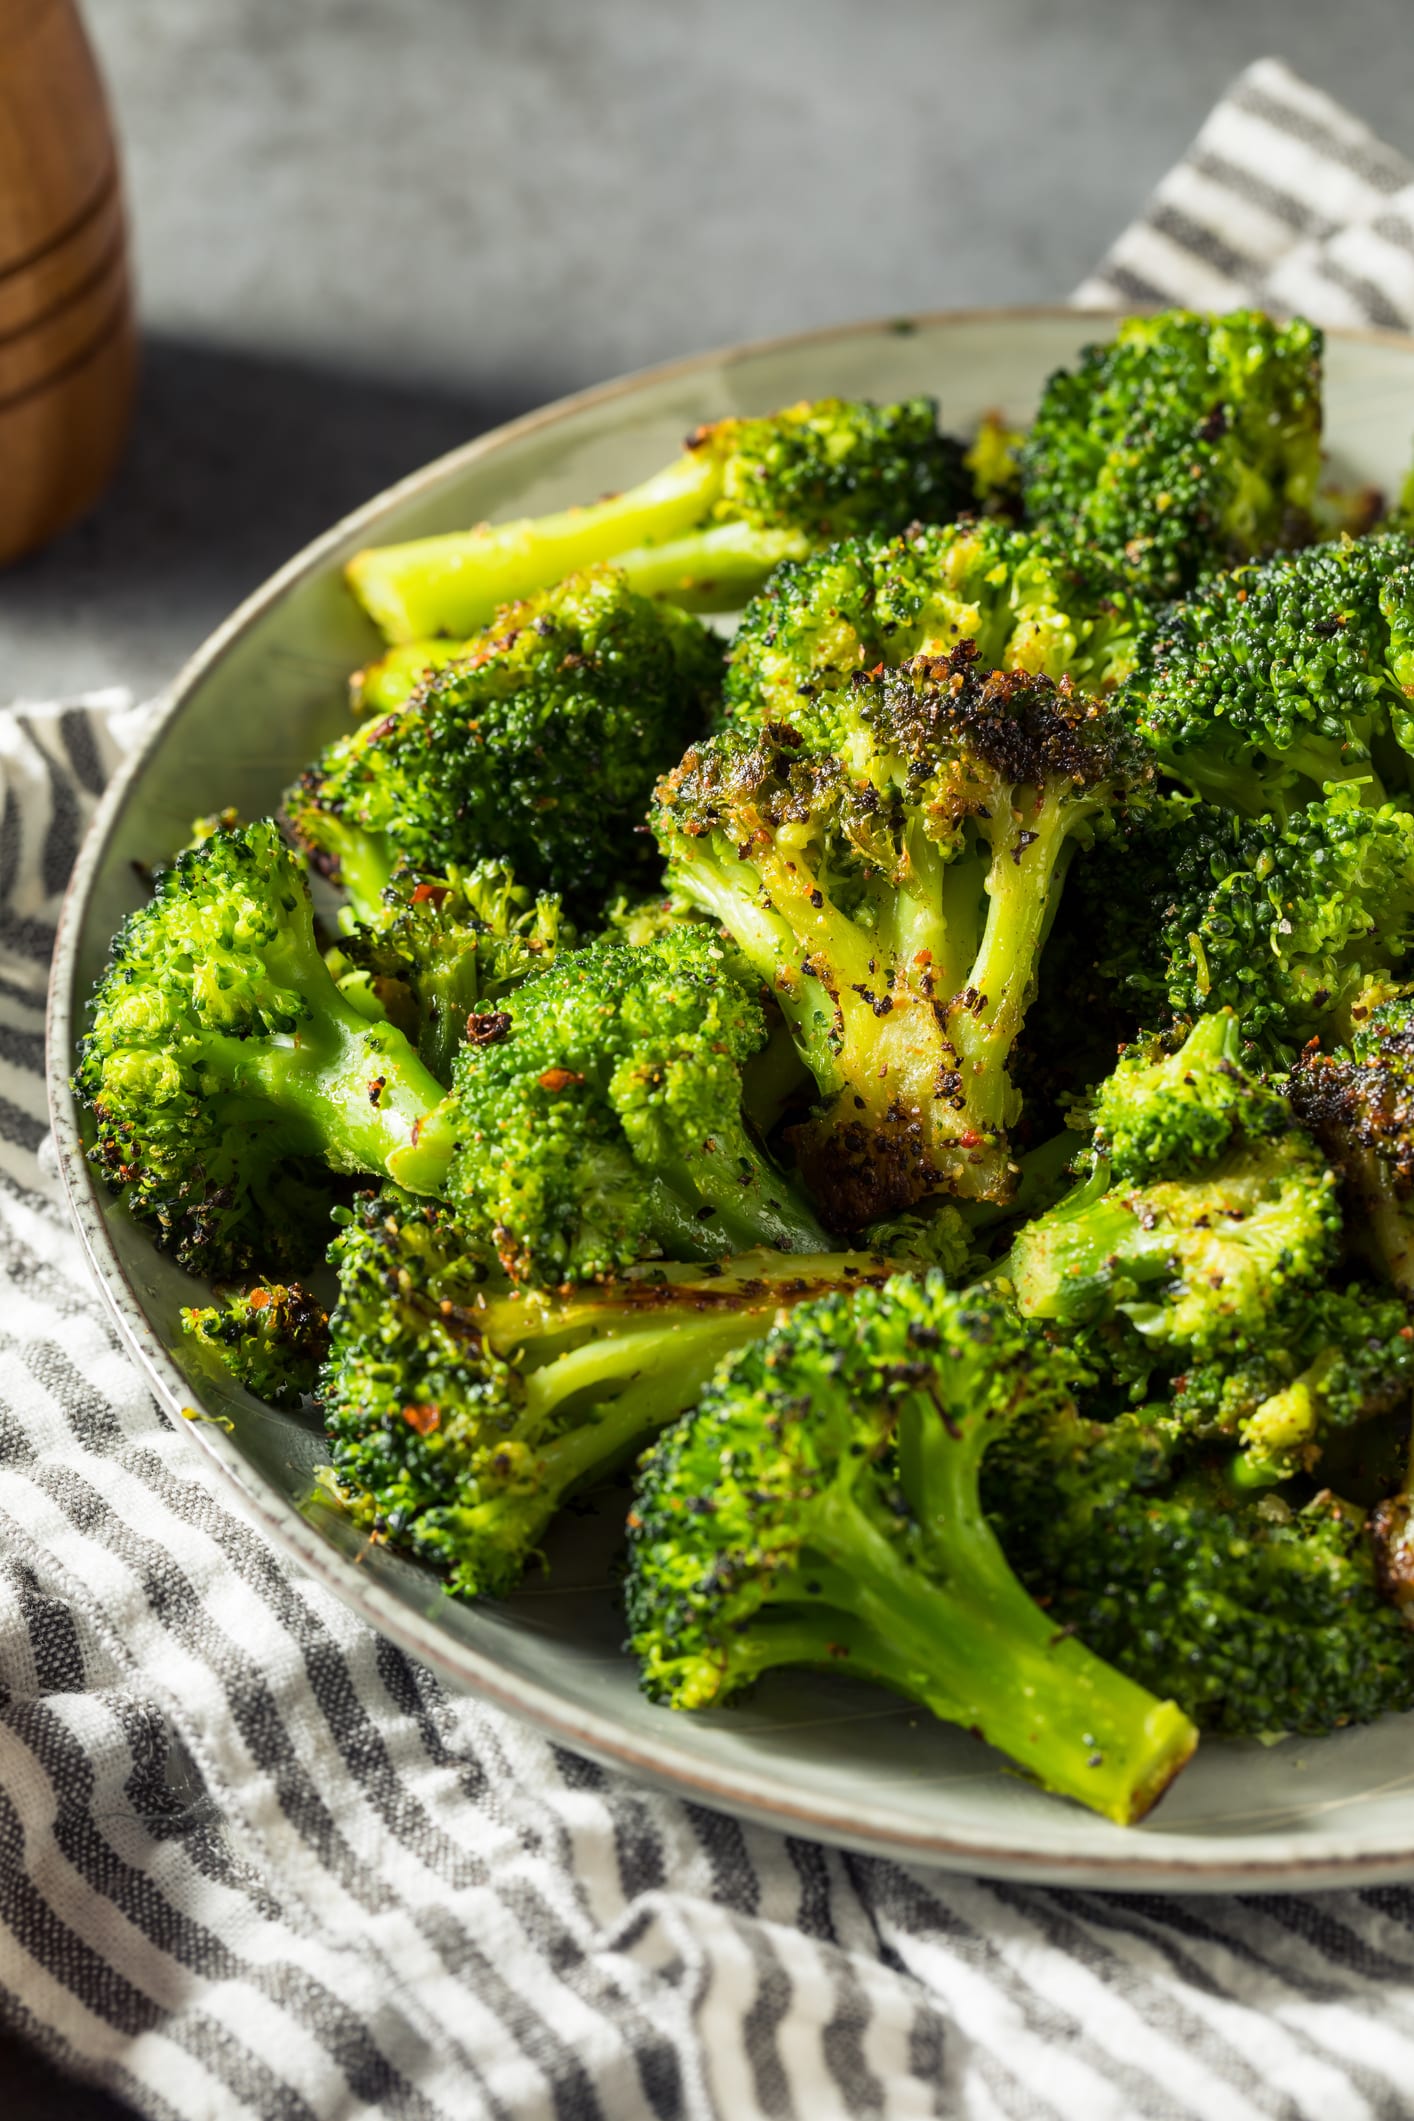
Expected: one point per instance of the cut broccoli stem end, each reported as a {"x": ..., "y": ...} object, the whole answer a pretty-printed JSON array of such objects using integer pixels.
[{"x": 456, "y": 583}]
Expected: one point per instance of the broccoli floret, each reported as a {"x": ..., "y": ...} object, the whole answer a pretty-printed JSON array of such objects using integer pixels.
[
  {"x": 705, "y": 532},
  {"x": 992, "y": 462},
  {"x": 1022, "y": 602},
  {"x": 1343, "y": 1357},
  {"x": 1185, "y": 443},
  {"x": 1283, "y": 920},
  {"x": 539, "y": 748},
  {"x": 1358, "y": 1101},
  {"x": 1230, "y": 1213},
  {"x": 1257, "y": 1618},
  {"x": 271, "y": 1338},
  {"x": 889, "y": 865},
  {"x": 222, "y": 1064},
  {"x": 597, "y": 1120},
  {"x": 820, "y": 1506},
  {"x": 462, "y": 1411},
  {"x": 1272, "y": 681},
  {"x": 441, "y": 947}
]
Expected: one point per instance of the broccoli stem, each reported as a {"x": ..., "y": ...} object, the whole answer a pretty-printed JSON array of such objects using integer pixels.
[
  {"x": 384, "y": 686},
  {"x": 362, "y": 862},
  {"x": 456, "y": 583},
  {"x": 358, "y": 1087},
  {"x": 716, "y": 569},
  {"x": 1063, "y": 1264},
  {"x": 974, "y": 1649}
]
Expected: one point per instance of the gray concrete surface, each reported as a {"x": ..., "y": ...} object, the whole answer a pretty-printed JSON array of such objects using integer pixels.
[{"x": 368, "y": 228}]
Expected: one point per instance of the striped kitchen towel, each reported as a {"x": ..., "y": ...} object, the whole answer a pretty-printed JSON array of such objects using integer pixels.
[{"x": 255, "y": 1863}]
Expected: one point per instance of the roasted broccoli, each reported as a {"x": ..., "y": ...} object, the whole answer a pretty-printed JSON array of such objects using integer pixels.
[
  {"x": 440, "y": 947},
  {"x": 820, "y": 1506},
  {"x": 271, "y": 1338},
  {"x": 539, "y": 747},
  {"x": 890, "y": 864},
  {"x": 1184, "y": 443},
  {"x": 1341, "y": 1358},
  {"x": 705, "y": 532},
  {"x": 222, "y": 1065},
  {"x": 1257, "y": 1617},
  {"x": 1274, "y": 680},
  {"x": 597, "y": 1119},
  {"x": 1206, "y": 1216},
  {"x": 1023, "y": 603},
  {"x": 1358, "y": 1101},
  {"x": 1286, "y": 921},
  {"x": 462, "y": 1411}
]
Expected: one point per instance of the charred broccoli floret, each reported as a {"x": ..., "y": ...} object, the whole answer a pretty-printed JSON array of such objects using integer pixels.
[
  {"x": 223, "y": 1066},
  {"x": 890, "y": 864},
  {"x": 539, "y": 748},
  {"x": 1285, "y": 921},
  {"x": 1256, "y": 1617},
  {"x": 820, "y": 1506},
  {"x": 1023, "y": 603},
  {"x": 462, "y": 1411},
  {"x": 704, "y": 532},
  {"x": 597, "y": 1120},
  {"x": 1358, "y": 1101},
  {"x": 1184, "y": 443},
  {"x": 1272, "y": 681},
  {"x": 440, "y": 947},
  {"x": 1206, "y": 1215},
  {"x": 271, "y": 1338}
]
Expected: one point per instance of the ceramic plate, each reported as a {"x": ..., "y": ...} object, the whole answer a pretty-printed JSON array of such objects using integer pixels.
[{"x": 815, "y": 1754}]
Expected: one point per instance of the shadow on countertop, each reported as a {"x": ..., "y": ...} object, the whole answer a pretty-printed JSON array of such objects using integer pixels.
[{"x": 235, "y": 461}]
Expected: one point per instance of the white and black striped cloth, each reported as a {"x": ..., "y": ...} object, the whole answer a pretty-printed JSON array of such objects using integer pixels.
[{"x": 255, "y": 1863}]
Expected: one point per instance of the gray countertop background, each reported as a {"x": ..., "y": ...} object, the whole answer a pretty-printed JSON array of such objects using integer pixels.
[{"x": 367, "y": 229}]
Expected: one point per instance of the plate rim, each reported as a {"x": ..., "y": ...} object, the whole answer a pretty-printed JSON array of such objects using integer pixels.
[{"x": 754, "y": 1794}]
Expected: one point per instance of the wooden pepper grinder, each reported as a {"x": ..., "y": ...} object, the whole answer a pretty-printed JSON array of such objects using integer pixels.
[{"x": 68, "y": 350}]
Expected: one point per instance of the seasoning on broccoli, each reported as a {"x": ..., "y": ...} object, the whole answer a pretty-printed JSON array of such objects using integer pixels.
[
  {"x": 1023, "y": 602},
  {"x": 1359, "y": 1103},
  {"x": 1185, "y": 443},
  {"x": 271, "y": 1338},
  {"x": 1206, "y": 1217},
  {"x": 223, "y": 1067},
  {"x": 462, "y": 1412},
  {"x": 820, "y": 1506},
  {"x": 890, "y": 863},
  {"x": 704, "y": 532},
  {"x": 538, "y": 748},
  {"x": 597, "y": 1120},
  {"x": 441, "y": 946}
]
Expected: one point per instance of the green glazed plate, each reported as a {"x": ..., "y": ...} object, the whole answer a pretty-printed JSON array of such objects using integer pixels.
[{"x": 815, "y": 1754}]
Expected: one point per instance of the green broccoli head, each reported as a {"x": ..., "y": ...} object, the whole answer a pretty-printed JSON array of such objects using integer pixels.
[
  {"x": 538, "y": 748},
  {"x": 271, "y": 1338},
  {"x": 889, "y": 863},
  {"x": 820, "y": 1506},
  {"x": 1168, "y": 1109},
  {"x": 1270, "y": 682},
  {"x": 1023, "y": 602},
  {"x": 1227, "y": 1218},
  {"x": 1255, "y": 1616},
  {"x": 1186, "y": 442},
  {"x": 222, "y": 1066},
  {"x": 1358, "y": 1101},
  {"x": 462, "y": 1411},
  {"x": 1283, "y": 920},
  {"x": 442, "y": 946},
  {"x": 597, "y": 1120},
  {"x": 1342, "y": 1358},
  {"x": 705, "y": 532}
]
